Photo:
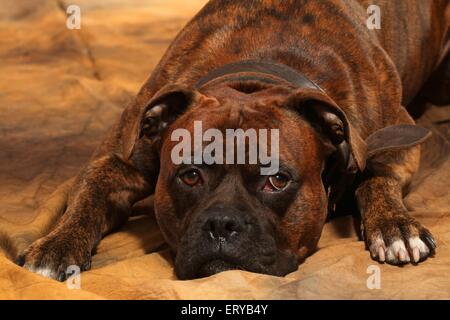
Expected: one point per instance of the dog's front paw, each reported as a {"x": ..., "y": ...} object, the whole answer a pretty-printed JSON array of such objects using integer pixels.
[
  {"x": 398, "y": 239},
  {"x": 52, "y": 255}
]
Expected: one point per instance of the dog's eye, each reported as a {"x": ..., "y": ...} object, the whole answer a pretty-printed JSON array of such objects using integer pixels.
[
  {"x": 277, "y": 182},
  {"x": 191, "y": 177}
]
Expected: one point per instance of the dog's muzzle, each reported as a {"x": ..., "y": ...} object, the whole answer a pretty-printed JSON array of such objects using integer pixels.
[{"x": 225, "y": 238}]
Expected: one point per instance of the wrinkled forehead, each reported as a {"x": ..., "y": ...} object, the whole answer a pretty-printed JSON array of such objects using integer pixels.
[{"x": 259, "y": 121}]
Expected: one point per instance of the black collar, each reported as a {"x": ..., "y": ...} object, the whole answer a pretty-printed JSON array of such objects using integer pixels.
[{"x": 260, "y": 68}]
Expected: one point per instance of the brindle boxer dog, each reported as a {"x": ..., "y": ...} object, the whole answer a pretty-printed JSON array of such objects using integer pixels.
[{"x": 312, "y": 69}]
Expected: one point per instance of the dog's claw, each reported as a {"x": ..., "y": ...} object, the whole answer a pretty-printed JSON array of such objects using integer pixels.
[
  {"x": 398, "y": 240},
  {"x": 61, "y": 276},
  {"x": 396, "y": 252},
  {"x": 420, "y": 249},
  {"x": 429, "y": 240},
  {"x": 416, "y": 254},
  {"x": 401, "y": 255},
  {"x": 87, "y": 265},
  {"x": 20, "y": 261},
  {"x": 381, "y": 254}
]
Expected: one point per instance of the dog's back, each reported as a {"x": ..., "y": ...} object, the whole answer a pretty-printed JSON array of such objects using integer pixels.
[
  {"x": 370, "y": 73},
  {"x": 414, "y": 33}
]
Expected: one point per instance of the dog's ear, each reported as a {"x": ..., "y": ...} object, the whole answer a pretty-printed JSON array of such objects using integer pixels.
[
  {"x": 327, "y": 117},
  {"x": 153, "y": 116},
  {"x": 395, "y": 137}
]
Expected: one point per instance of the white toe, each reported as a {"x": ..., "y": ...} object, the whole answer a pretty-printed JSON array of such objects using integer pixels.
[
  {"x": 418, "y": 248},
  {"x": 43, "y": 271},
  {"x": 397, "y": 252},
  {"x": 377, "y": 249}
]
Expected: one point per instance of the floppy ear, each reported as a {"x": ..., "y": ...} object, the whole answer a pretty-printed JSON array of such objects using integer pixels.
[
  {"x": 351, "y": 152},
  {"x": 150, "y": 119},
  {"x": 395, "y": 137},
  {"x": 327, "y": 117}
]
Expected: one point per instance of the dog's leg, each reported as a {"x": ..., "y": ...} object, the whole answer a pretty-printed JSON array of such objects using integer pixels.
[
  {"x": 106, "y": 190},
  {"x": 100, "y": 200},
  {"x": 391, "y": 234}
]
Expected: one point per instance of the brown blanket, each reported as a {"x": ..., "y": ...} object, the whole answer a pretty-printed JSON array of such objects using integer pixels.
[{"x": 61, "y": 89}]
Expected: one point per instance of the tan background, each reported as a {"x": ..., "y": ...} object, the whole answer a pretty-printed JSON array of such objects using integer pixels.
[{"x": 61, "y": 89}]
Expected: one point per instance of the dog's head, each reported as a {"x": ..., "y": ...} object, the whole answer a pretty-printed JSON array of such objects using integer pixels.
[{"x": 225, "y": 216}]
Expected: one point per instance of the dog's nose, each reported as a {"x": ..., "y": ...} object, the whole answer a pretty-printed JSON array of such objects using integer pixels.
[{"x": 224, "y": 225}]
